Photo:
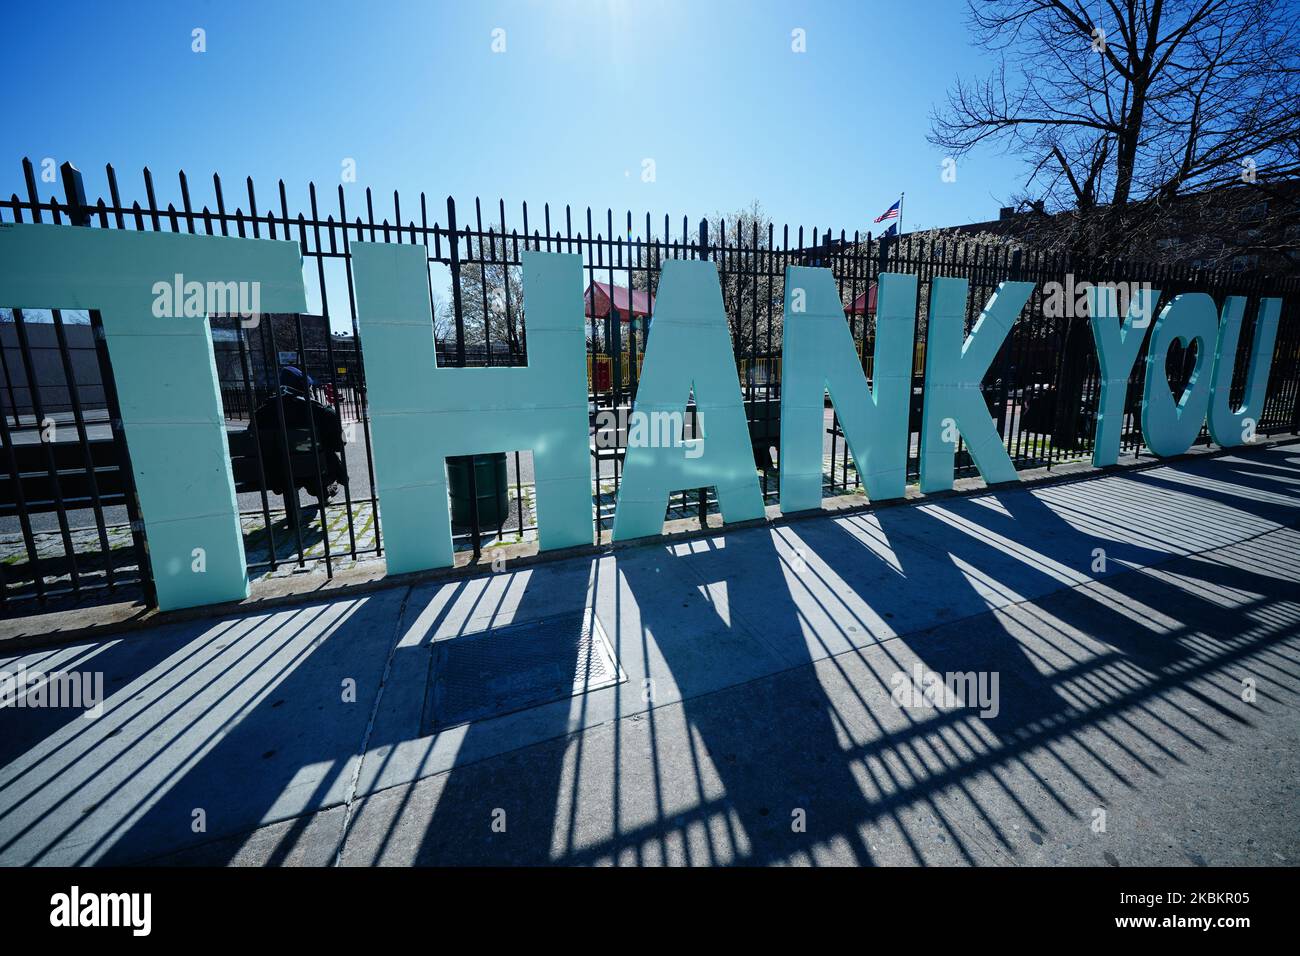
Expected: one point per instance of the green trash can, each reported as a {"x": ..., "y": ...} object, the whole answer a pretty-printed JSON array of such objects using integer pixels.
[{"x": 493, "y": 488}]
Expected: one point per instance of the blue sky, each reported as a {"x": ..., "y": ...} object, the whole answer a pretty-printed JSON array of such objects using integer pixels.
[{"x": 585, "y": 91}]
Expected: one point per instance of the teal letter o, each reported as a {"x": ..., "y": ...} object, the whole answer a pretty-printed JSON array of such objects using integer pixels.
[{"x": 1170, "y": 426}]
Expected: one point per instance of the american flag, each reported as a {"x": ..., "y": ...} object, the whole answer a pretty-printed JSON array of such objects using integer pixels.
[{"x": 890, "y": 213}]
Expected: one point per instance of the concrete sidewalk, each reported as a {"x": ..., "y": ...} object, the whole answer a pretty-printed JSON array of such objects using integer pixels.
[{"x": 1147, "y": 705}]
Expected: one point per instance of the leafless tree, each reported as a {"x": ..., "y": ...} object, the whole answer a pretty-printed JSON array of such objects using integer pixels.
[
  {"x": 741, "y": 242},
  {"x": 1122, "y": 109},
  {"x": 751, "y": 293},
  {"x": 444, "y": 318},
  {"x": 1119, "y": 106},
  {"x": 491, "y": 297}
]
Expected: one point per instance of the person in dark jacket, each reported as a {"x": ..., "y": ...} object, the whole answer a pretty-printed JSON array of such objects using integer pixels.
[
  {"x": 290, "y": 465},
  {"x": 296, "y": 379}
]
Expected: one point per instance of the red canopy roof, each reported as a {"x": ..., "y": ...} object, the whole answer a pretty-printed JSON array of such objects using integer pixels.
[
  {"x": 599, "y": 295},
  {"x": 864, "y": 304}
]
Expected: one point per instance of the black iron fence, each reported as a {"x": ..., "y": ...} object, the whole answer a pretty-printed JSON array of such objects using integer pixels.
[{"x": 69, "y": 520}]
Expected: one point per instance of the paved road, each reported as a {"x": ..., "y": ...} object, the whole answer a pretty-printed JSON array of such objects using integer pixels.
[{"x": 1145, "y": 711}]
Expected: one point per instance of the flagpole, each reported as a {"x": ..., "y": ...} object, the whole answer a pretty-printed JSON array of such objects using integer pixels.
[{"x": 900, "y": 214}]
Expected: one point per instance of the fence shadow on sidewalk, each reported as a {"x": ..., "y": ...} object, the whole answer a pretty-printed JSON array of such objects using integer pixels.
[{"x": 1107, "y": 679}]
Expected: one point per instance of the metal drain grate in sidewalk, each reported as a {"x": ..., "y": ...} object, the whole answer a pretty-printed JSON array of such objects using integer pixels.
[{"x": 519, "y": 666}]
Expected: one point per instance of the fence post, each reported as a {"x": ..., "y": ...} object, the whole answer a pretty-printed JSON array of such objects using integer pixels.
[
  {"x": 75, "y": 193},
  {"x": 1007, "y": 365},
  {"x": 1288, "y": 339},
  {"x": 455, "y": 281},
  {"x": 1295, "y": 412},
  {"x": 458, "y": 309},
  {"x": 78, "y": 213}
]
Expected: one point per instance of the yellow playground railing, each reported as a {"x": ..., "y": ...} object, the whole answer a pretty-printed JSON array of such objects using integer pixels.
[
  {"x": 918, "y": 360},
  {"x": 603, "y": 369}
]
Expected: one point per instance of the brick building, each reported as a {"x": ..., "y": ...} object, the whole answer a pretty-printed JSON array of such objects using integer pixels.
[{"x": 1249, "y": 229}]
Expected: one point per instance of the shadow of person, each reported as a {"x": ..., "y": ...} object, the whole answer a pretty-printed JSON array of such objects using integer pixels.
[{"x": 285, "y": 536}]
